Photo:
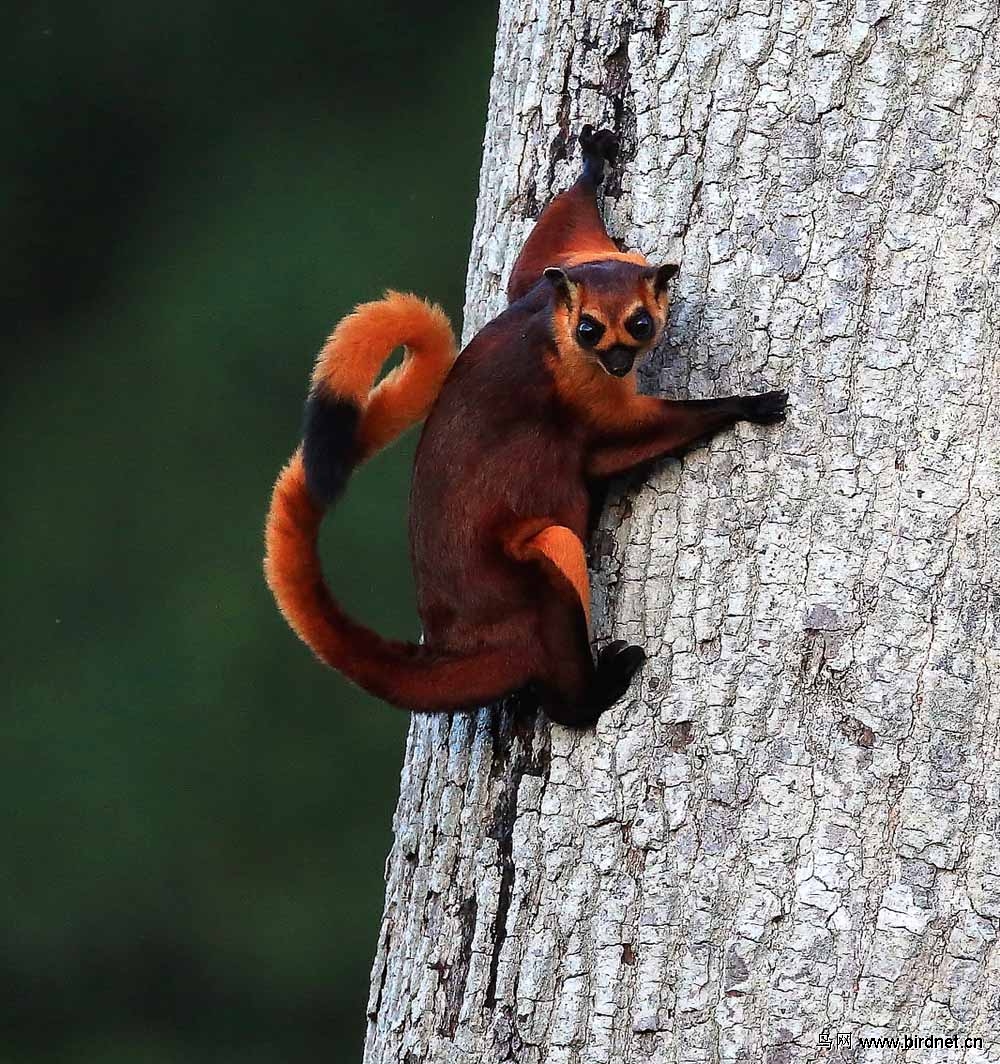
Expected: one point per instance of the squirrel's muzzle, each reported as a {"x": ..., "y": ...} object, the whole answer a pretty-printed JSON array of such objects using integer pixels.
[{"x": 618, "y": 360}]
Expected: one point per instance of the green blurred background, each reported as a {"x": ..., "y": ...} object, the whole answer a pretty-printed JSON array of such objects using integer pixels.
[{"x": 196, "y": 814}]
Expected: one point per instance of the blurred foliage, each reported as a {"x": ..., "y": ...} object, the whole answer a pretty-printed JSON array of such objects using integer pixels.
[{"x": 197, "y": 814}]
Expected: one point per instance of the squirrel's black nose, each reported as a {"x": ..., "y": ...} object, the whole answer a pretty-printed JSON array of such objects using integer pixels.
[{"x": 618, "y": 360}]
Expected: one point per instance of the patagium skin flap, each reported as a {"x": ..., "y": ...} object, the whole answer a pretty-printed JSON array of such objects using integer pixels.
[{"x": 518, "y": 434}]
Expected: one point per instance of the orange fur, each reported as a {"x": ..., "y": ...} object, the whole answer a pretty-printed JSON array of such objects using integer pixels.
[
  {"x": 608, "y": 405},
  {"x": 402, "y": 673},
  {"x": 604, "y": 402},
  {"x": 569, "y": 233},
  {"x": 351, "y": 358},
  {"x": 565, "y": 551},
  {"x": 596, "y": 251},
  {"x": 291, "y": 519},
  {"x": 558, "y": 548}
]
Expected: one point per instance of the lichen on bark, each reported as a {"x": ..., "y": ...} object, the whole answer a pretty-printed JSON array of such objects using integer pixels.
[{"x": 791, "y": 824}]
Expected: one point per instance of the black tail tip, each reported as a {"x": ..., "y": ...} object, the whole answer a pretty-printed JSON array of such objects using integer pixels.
[
  {"x": 599, "y": 147},
  {"x": 329, "y": 443}
]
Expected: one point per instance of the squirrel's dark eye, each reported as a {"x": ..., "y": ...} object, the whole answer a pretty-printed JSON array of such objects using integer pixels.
[
  {"x": 588, "y": 331},
  {"x": 640, "y": 326}
]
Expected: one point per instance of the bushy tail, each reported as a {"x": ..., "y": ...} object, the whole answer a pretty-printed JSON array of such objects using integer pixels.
[
  {"x": 346, "y": 422},
  {"x": 357, "y": 349}
]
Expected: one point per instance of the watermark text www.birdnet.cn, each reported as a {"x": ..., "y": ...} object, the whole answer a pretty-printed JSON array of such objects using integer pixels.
[{"x": 829, "y": 1039}]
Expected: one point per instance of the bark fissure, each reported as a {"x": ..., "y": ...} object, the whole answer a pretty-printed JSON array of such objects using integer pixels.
[{"x": 456, "y": 976}]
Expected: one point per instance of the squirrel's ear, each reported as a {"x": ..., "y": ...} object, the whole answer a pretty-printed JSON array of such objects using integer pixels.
[
  {"x": 662, "y": 275},
  {"x": 564, "y": 287}
]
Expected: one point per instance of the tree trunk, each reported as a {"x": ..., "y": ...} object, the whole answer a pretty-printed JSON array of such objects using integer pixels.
[{"x": 790, "y": 825}]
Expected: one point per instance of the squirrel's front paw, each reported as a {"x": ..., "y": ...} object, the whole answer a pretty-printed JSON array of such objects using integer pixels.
[
  {"x": 600, "y": 144},
  {"x": 766, "y": 409}
]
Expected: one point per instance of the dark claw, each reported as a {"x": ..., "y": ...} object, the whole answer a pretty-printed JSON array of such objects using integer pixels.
[
  {"x": 617, "y": 663},
  {"x": 768, "y": 408},
  {"x": 597, "y": 147},
  {"x": 603, "y": 143},
  {"x": 616, "y": 646}
]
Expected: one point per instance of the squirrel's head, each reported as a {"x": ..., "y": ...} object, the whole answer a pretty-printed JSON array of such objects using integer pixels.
[{"x": 609, "y": 313}]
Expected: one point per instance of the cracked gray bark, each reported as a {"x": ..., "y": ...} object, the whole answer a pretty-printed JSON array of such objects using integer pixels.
[{"x": 791, "y": 822}]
